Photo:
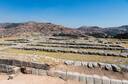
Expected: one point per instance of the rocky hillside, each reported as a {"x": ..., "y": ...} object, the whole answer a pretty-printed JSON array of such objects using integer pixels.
[
  {"x": 15, "y": 29},
  {"x": 105, "y": 32},
  {"x": 12, "y": 29}
]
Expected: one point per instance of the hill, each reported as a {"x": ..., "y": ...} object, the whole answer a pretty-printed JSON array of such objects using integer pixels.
[
  {"x": 13, "y": 29},
  {"x": 49, "y": 29},
  {"x": 105, "y": 32}
]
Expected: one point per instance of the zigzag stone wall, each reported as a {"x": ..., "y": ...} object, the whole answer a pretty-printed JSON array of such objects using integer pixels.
[
  {"x": 18, "y": 63},
  {"x": 50, "y": 49},
  {"x": 92, "y": 65},
  {"x": 83, "y": 78},
  {"x": 70, "y": 43},
  {"x": 112, "y": 67},
  {"x": 86, "y": 79},
  {"x": 9, "y": 69},
  {"x": 6, "y": 68},
  {"x": 80, "y": 46}
]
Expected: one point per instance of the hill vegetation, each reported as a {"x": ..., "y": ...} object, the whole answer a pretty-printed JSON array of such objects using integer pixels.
[{"x": 49, "y": 29}]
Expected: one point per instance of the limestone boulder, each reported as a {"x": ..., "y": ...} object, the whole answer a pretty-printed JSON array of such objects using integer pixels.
[
  {"x": 73, "y": 76},
  {"x": 84, "y": 64},
  {"x": 95, "y": 64},
  {"x": 97, "y": 79},
  {"x": 108, "y": 67},
  {"x": 124, "y": 81},
  {"x": 77, "y": 63},
  {"x": 68, "y": 62},
  {"x": 89, "y": 79},
  {"x": 116, "y": 68},
  {"x": 102, "y": 65},
  {"x": 105, "y": 80},
  {"x": 113, "y": 81},
  {"x": 90, "y": 65}
]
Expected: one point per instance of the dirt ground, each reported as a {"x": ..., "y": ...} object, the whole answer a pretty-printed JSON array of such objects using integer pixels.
[{"x": 33, "y": 79}]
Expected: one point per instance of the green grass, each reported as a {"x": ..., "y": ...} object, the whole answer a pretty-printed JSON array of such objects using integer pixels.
[{"x": 71, "y": 56}]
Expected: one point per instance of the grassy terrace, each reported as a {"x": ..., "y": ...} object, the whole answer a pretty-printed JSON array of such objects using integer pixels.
[
  {"x": 86, "y": 49},
  {"x": 67, "y": 56},
  {"x": 125, "y": 45},
  {"x": 70, "y": 56},
  {"x": 77, "y": 47}
]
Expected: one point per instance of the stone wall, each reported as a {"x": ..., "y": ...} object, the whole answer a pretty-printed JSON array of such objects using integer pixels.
[
  {"x": 6, "y": 68},
  {"x": 51, "y": 49},
  {"x": 106, "y": 66},
  {"x": 87, "y": 44},
  {"x": 18, "y": 63},
  {"x": 92, "y": 65},
  {"x": 86, "y": 79},
  {"x": 83, "y": 78},
  {"x": 80, "y": 46},
  {"x": 9, "y": 69},
  {"x": 7, "y": 44}
]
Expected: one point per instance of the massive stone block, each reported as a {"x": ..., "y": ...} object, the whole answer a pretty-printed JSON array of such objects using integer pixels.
[
  {"x": 97, "y": 79},
  {"x": 82, "y": 78},
  {"x": 6, "y": 68},
  {"x": 84, "y": 64},
  {"x": 61, "y": 74},
  {"x": 23, "y": 63},
  {"x": 16, "y": 70},
  {"x": 116, "y": 68},
  {"x": 90, "y": 65},
  {"x": 124, "y": 68},
  {"x": 108, "y": 67},
  {"x": 26, "y": 70},
  {"x": 89, "y": 79},
  {"x": 113, "y": 81},
  {"x": 77, "y": 63},
  {"x": 102, "y": 65},
  {"x": 95, "y": 65},
  {"x": 105, "y": 80},
  {"x": 124, "y": 81},
  {"x": 73, "y": 76},
  {"x": 42, "y": 72},
  {"x": 68, "y": 62},
  {"x": 52, "y": 73}
]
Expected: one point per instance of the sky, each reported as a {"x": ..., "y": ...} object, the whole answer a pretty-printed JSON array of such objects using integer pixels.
[{"x": 70, "y": 13}]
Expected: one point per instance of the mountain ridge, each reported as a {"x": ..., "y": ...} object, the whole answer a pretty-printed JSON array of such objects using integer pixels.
[{"x": 12, "y": 29}]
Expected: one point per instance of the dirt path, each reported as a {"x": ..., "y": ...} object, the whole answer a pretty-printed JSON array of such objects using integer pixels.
[{"x": 33, "y": 79}]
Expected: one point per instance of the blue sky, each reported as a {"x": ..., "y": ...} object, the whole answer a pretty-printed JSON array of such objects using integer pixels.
[{"x": 71, "y": 13}]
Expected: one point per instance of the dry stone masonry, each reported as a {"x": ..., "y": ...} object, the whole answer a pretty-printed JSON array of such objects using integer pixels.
[
  {"x": 106, "y": 66},
  {"x": 86, "y": 79},
  {"x": 18, "y": 63},
  {"x": 51, "y": 49},
  {"x": 40, "y": 69},
  {"x": 80, "y": 46}
]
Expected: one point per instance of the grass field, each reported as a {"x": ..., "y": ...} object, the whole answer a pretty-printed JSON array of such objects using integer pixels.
[
  {"x": 71, "y": 56},
  {"x": 67, "y": 56}
]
